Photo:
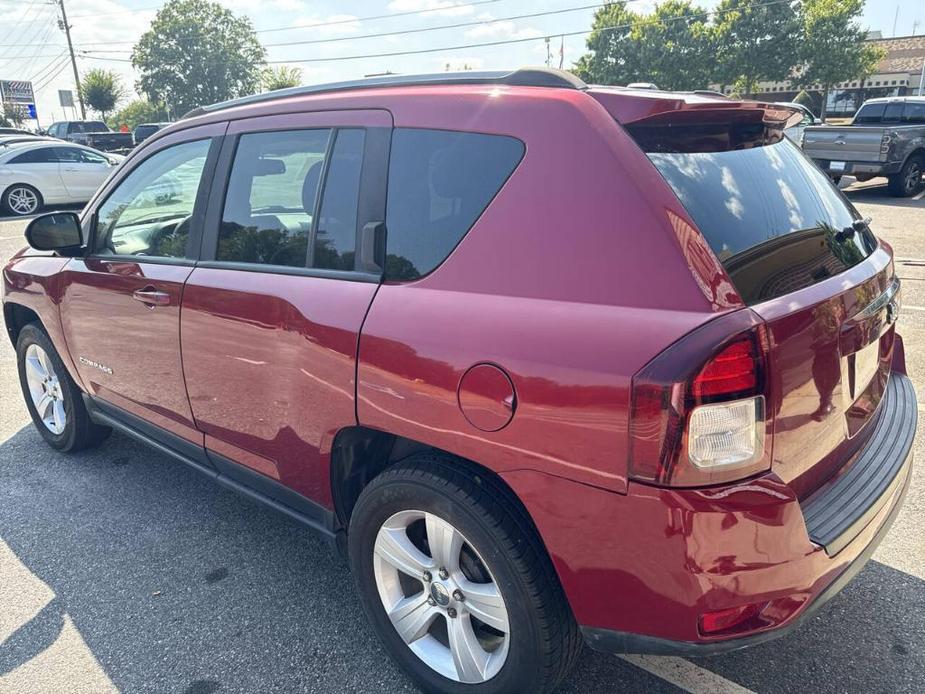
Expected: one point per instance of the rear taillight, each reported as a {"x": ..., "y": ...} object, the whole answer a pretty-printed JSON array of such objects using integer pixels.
[{"x": 699, "y": 413}]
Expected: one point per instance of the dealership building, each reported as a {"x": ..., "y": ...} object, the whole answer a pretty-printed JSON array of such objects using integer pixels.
[{"x": 899, "y": 73}]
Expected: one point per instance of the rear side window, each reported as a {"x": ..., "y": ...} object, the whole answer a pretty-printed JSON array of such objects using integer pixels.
[
  {"x": 914, "y": 112},
  {"x": 774, "y": 220},
  {"x": 893, "y": 112},
  {"x": 440, "y": 182},
  {"x": 870, "y": 113},
  {"x": 43, "y": 155}
]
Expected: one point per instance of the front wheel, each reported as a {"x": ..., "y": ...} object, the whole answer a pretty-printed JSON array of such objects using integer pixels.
[
  {"x": 53, "y": 399},
  {"x": 456, "y": 582},
  {"x": 21, "y": 199},
  {"x": 907, "y": 182}
]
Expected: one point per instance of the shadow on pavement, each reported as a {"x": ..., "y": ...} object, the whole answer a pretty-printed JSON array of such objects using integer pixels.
[
  {"x": 177, "y": 584},
  {"x": 874, "y": 194}
]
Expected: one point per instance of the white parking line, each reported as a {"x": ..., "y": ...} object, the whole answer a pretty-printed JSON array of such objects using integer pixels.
[
  {"x": 919, "y": 196},
  {"x": 684, "y": 674}
]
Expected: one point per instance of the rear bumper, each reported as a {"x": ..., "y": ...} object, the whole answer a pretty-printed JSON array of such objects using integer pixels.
[
  {"x": 859, "y": 168},
  {"x": 608, "y": 641},
  {"x": 640, "y": 570}
]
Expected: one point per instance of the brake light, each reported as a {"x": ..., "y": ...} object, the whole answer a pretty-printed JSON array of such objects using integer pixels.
[{"x": 698, "y": 413}]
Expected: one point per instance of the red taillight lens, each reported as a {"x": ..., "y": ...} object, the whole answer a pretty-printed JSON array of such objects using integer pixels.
[
  {"x": 734, "y": 370},
  {"x": 717, "y": 374}
]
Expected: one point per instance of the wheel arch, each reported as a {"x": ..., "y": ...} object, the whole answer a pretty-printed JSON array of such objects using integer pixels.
[
  {"x": 917, "y": 152},
  {"x": 360, "y": 454},
  {"x": 16, "y": 317}
]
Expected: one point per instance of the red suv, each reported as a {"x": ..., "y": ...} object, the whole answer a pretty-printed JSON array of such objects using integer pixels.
[{"x": 550, "y": 363}]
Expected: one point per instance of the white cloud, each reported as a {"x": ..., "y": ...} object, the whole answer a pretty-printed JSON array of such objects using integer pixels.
[
  {"x": 332, "y": 24},
  {"x": 502, "y": 30},
  {"x": 441, "y": 8}
]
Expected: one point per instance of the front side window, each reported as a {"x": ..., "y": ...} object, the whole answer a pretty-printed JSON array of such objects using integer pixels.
[
  {"x": 88, "y": 157},
  {"x": 67, "y": 155},
  {"x": 914, "y": 112},
  {"x": 148, "y": 214},
  {"x": 440, "y": 182}
]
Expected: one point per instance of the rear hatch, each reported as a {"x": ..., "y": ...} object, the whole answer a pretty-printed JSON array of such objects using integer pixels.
[
  {"x": 854, "y": 143},
  {"x": 801, "y": 258}
]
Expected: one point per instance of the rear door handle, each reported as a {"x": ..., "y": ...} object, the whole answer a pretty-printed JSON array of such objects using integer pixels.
[{"x": 152, "y": 297}]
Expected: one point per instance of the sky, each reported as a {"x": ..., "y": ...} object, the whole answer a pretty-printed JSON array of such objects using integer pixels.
[{"x": 32, "y": 47}]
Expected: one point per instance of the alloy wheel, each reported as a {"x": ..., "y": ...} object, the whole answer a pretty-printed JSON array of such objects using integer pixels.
[
  {"x": 45, "y": 389},
  {"x": 441, "y": 597},
  {"x": 23, "y": 200},
  {"x": 914, "y": 177}
]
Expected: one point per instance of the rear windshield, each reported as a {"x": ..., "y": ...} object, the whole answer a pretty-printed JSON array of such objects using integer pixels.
[
  {"x": 91, "y": 126},
  {"x": 774, "y": 220}
]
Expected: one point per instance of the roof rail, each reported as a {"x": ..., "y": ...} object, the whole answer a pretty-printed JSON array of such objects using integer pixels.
[{"x": 524, "y": 77}]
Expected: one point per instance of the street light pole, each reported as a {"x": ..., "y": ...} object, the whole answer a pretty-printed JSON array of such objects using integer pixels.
[
  {"x": 922, "y": 79},
  {"x": 70, "y": 47}
]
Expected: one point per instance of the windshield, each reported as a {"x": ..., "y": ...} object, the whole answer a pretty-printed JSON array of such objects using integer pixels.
[{"x": 772, "y": 217}]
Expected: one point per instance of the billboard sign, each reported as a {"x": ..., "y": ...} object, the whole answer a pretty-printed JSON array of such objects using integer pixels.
[
  {"x": 16, "y": 92},
  {"x": 66, "y": 98}
]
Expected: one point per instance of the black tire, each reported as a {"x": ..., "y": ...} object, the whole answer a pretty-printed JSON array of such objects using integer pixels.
[
  {"x": 544, "y": 640},
  {"x": 908, "y": 181},
  {"x": 79, "y": 432},
  {"x": 7, "y": 204}
]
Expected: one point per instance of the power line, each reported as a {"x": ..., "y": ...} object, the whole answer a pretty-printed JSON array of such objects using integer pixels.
[
  {"x": 400, "y": 32},
  {"x": 486, "y": 44}
]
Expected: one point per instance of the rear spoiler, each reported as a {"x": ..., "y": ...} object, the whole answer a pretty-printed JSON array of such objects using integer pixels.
[{"x": 668, "y": 108}]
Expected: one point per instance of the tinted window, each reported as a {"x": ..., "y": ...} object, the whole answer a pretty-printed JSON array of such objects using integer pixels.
[
  {"x": 43, "y": 155},
  {"x": 440, "y": 182},
  {"x": 893, "y": 112},
  {"x": 67, "y": 154},
  {"x": 148, "y": 214},
  {"x": 870, "y": 113},
  {"x": 914, "y": 112},
  {"x": 335, "y": 238},
  {"x": 88, "y": 157},
  {"x": 772, "y": 217},
  {"x": 270, "y": 203},
  {"x": 90, "y": 126}
]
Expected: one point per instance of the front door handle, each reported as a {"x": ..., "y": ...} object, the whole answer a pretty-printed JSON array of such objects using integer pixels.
[{"x": 152, "y": 297}]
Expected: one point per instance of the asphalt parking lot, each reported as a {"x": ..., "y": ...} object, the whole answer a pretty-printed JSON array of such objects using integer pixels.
[{"x": 121, "y": 570}]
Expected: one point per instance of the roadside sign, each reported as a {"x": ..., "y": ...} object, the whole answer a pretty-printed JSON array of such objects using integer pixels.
[
  {"x": 16, "y": 92},
  {"x": 66, "y": 98},
  {"x": 31, "y": 109}
]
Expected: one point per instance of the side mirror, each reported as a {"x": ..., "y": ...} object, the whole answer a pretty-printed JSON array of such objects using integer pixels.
[
  {"x": 817, "y": 121},
  {"x": 57, "y": 231}
]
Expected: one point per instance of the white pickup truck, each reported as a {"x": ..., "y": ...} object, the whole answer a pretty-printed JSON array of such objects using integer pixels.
[{"x": 886, "y": 138}]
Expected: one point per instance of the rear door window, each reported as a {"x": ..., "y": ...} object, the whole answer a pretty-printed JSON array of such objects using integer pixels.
[
  {"x": 774, "y": 220},
  {"x": 440, "y": 182}
]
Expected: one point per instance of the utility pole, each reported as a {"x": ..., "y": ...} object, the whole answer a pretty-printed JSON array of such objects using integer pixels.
[{"x": 70, "y": 47}]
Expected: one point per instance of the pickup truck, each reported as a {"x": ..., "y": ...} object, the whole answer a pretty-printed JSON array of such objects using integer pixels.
[
  {"x": 886, "y": 138},
  {"x": 92, "y": 133}
]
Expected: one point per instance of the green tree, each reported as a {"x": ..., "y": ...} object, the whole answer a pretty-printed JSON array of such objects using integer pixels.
[
  {"x": 195, "y": 53},
  {"x": 806, "y": 99},
  {"x": 102, "y": 90},
  {"x": 135, "y": 112},
  {"x": 671, "y": 47},
  {"x": 281, "y": 77},
  {"x": 754, "y": 42},
  {"x": 612, "y": 58},
  {"x": 833, "y": 45}
]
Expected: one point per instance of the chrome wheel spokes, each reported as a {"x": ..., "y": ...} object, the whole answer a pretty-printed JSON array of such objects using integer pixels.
[
  {"x": 23, "y": 201},
  {"x": 45, "y": 389},
  {"x": 441, "y": 597}
]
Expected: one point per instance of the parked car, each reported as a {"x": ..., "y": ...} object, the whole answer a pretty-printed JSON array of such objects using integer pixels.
[
  {"x": 795, "y": 132},
  {"x": 656, "y": 402},
  {"x": 14, "y": 131},
  {"x": 6, "y": 140},
  {"x": 886, "y": 138},
  {"x": 92, "y": 133},
  {"x": 50, "y": 172},
  {"x": 143, "y": 131}
]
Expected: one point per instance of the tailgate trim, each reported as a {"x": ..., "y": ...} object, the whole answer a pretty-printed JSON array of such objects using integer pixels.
[{"x": 837, "y": 513}]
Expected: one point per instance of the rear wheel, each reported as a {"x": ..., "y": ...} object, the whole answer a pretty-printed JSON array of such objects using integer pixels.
[
  {"x": 53, "y": 399},
  {"x": 22, "y": 199},
  {"x": 908, "y": 182},
  {"x": 456, "y": 582}
]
